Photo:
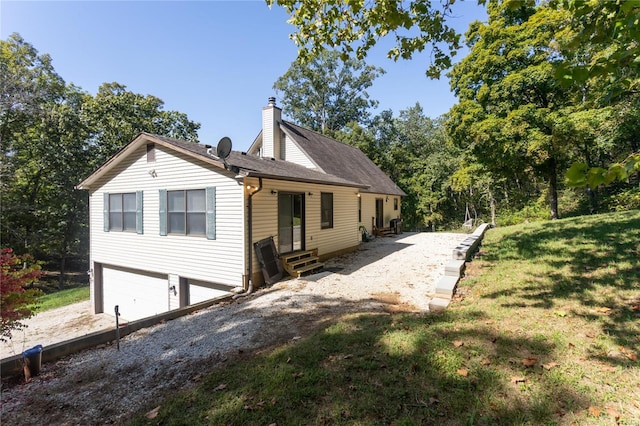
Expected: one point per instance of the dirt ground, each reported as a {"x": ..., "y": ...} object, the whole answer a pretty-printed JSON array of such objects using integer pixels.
[
  {"x": 55, "y": 326},
  {"x": 384, "y": 275}
]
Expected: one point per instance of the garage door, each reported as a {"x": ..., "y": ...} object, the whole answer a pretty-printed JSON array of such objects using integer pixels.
[
  {"x": 199, "y": 291},
  {"x": 138, "y": 294}
]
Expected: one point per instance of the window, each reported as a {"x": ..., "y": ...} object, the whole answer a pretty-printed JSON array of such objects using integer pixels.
[
  {"x": 188, "y": 212},
  {"x": 395, "y": 204},
  {"x": 359, "y": 208},
  {"x": 326, "y": 210},
  {"x": 123, "y": 212}
]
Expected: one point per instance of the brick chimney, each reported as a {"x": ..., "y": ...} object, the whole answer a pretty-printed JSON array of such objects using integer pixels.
[{"x": 271, "y": 134}]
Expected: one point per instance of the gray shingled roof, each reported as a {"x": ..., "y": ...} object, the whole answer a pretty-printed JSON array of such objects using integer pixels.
[{"x": 339, "y": 159}]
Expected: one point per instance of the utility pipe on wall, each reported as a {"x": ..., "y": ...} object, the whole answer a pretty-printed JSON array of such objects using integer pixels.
[{"x": 250, "y": 240}]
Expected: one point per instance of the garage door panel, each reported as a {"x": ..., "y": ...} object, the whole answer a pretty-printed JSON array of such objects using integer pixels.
[
  {"x": 199, "y": 291},
  {"x": 138, "y": 294}
]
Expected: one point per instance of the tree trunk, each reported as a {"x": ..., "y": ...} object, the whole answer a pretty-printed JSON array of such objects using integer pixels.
[
  {"x": 492, "y": 206},
  {"x": 593, "y": 202},
  {"x": 63, "y": 261},
  {"x": 553, "y": 188}
]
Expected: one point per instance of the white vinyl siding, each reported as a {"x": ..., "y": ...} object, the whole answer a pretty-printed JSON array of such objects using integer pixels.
[
  {"x": 369, "y": 208},
  {"x": 343, "y": 235},
  {"x": 220, "y": 260},
  {"x": 295, "y": 155}
]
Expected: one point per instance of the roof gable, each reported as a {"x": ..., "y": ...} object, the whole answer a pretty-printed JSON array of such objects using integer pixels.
[
  {"x": 339, "y": 159},
  {"x": 239, "y": 163}
]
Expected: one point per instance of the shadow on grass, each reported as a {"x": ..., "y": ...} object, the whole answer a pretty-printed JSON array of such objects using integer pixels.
[
  {"x": 381, "y": 369},
  {"x": 590, "y": 262}
]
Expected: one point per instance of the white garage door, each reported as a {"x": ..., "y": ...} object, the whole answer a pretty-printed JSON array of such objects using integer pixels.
[
  {"x": 199, "y": 291},
  {"x": 138, "y": 294}
]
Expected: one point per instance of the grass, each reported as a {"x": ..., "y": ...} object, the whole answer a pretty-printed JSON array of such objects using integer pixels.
[
  {"x": 62, "y": 298},
  {"x": 545, "y": 331}
]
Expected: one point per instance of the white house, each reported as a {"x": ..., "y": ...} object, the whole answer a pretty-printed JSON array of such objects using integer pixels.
[{"x": 172, "y": 224}]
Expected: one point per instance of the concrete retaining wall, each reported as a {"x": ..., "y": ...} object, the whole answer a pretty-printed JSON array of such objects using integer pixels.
[
  {"x": 453, "y": 270},
  {"x": 12, "y": 366}
]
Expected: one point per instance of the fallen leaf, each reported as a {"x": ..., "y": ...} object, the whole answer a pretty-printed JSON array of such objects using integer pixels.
[
  {"x": 603, "y": 309},
  {"x": 260, "y": 403},
  {"x": 296, "y": 375},
  {"x": 530, "y": 361},
  {"x": 197, "y": 377},
  {"x": 273, "y": 402},
  {"x": 613, "y": 413},
  {"x": 433, "y": 400},
  {"x": 590, "y": 335},
  {"x": 458, "y": 343},
  {"x": 518, "y": 379},
  {"x": 485, "y": 362},
  {"x": 463, "y": 372},
  {"x": 594, "y": 411},
  {"x": 348, "y": 356},
  {"x": 550, "y": 365},
  {"x": 288, "y": 360},
  {"x": 571, "y": 345},
  {"x": 635, "y": 308},
  {"x": 220, "y": 387},
  {"x": 560, "y": 313},
  {"x": 153, "y": 413}
]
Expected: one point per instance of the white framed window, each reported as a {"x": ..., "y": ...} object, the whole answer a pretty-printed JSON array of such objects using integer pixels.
[
  {"x": 188, "y": 212},
  {"x": 123, "y": 212}
]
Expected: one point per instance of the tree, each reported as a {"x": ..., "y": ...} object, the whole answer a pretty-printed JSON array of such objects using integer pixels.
[
  {"x": 358, "y": 25},
  {"x": 509, "y": 101},
  {"x": 52, "y": 136},
  {"x": 115, "y": 116},
  {"x": 16, "y": 300},
  {"x": 611, "y": 30},
  {"x": 325, "y": 94}
]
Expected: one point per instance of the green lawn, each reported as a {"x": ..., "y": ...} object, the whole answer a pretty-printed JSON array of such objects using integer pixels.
[
  {"x": 545, "y": 330},
  {"x": 62, "y": 298}
]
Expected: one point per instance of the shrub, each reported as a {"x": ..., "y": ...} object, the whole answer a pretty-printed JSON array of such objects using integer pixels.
[{"x": 16, "y": 300}]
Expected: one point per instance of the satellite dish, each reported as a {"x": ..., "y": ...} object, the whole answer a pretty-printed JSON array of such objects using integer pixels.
[{"x": 224, "y": 148}]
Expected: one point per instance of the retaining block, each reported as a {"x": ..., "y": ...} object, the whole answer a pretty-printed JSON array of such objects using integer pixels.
[
  {"x": 438, "y": 304},
  {"x": 454, "y": 268},
  {"x": 446, "y": 286}
]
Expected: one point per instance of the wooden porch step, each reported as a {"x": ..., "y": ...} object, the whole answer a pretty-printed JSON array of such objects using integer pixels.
[
  {"x": 301, "y": 262},
  {"x": 314, "y": 267},
  {"x": 383, "y": 232}
]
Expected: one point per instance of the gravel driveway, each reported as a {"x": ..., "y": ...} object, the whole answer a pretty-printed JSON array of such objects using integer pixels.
[{"x": 103, "y": 385}]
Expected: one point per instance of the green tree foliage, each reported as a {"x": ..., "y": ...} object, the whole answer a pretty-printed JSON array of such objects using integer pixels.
[
  {"x": 610, "y": 30},
  {"x": 326, "y": 93},
  {"x": 116, "y": 115},
  {"x": 52, "y": 136},
  {"x": 415, "y": 152},
  {"x": 509, "y": 100},
  {"x": 17, "y": 273},
  {"x": 356, "y": 26}
]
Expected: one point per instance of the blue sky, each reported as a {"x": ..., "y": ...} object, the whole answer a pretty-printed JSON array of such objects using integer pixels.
[{"x": 216, "y": 61}]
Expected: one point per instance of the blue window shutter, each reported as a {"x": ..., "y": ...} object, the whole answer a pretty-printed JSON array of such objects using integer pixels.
[
  {"x": 163, "y": 212},
  {"x": 105, "y": 211},
  {"x": 139, "y": 225},
  {"x": 211, "y": 213}
]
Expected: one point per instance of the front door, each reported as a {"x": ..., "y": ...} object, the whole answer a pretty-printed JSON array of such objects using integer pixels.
[
  {"x": 379, "y": 213},
  {"x": 290, "y": 222}
]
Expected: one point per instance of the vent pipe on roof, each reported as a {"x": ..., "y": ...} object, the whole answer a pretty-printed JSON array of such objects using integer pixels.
[{"x": 272, "y": 101}]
